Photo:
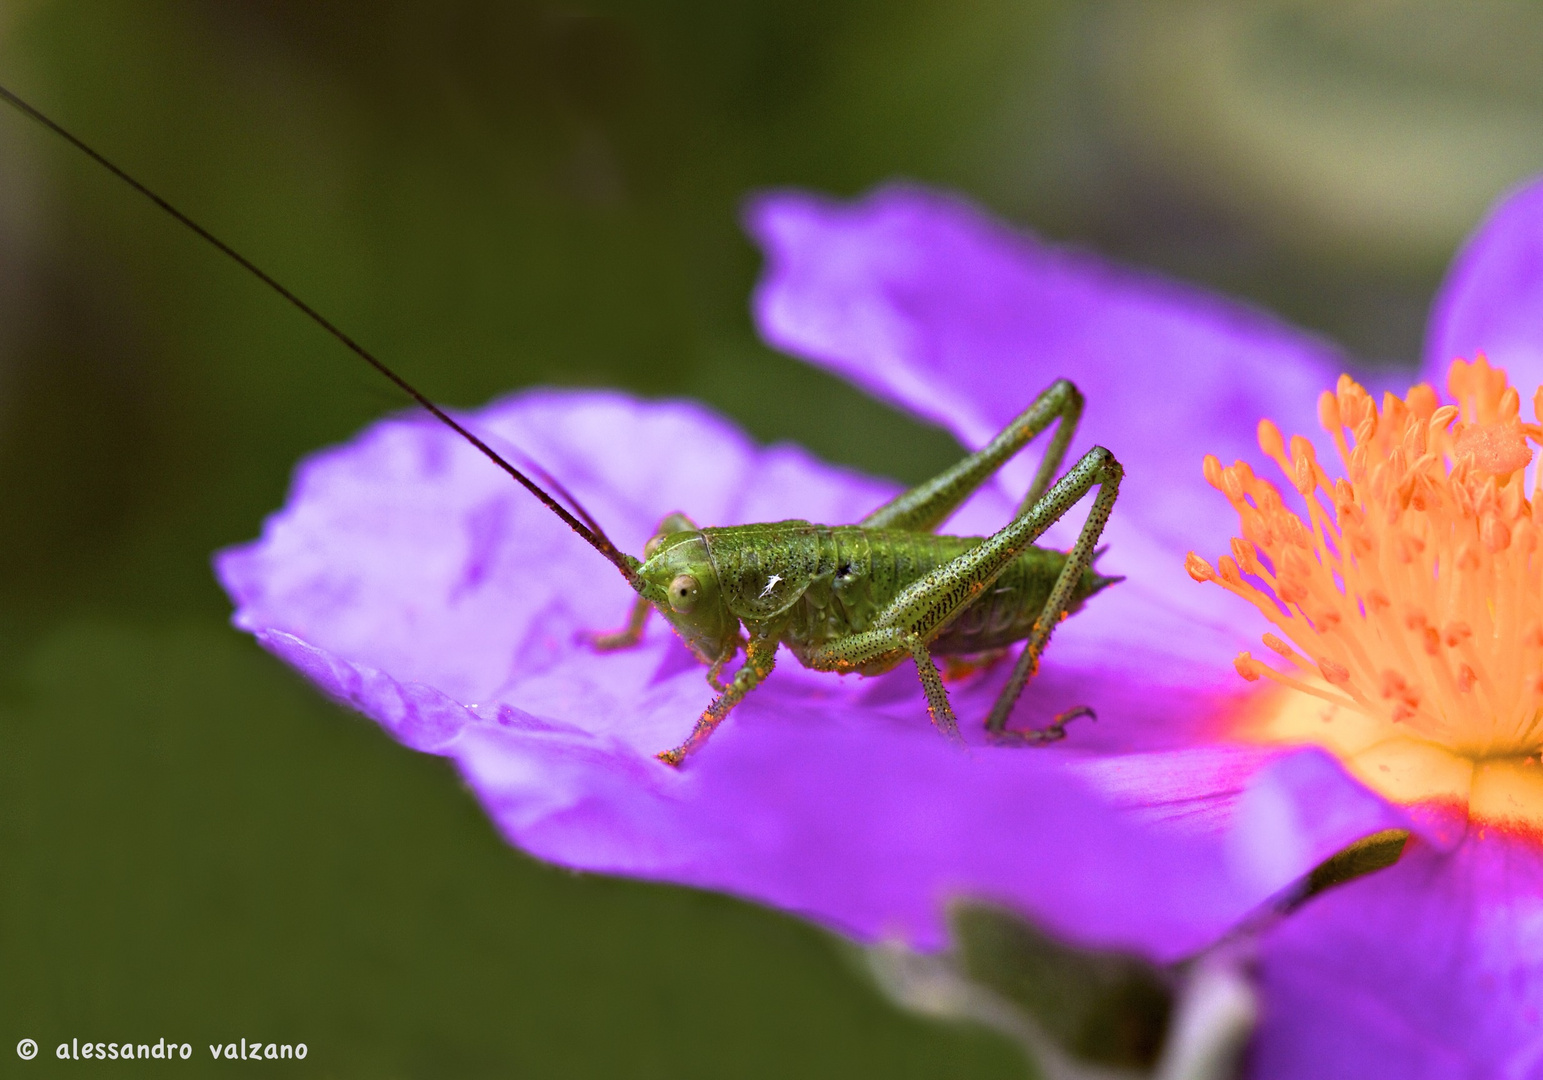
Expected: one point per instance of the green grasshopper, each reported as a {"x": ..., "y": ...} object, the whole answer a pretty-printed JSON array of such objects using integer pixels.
[
  {"x": 865, "y": 597},
  {"x": 850, "y": 598}
]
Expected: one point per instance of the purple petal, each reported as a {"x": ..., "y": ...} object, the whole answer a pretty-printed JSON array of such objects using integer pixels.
[
  {"x": 929, "y": 303},
  {"x": 409, "y": 579},
  {"x": 1492, "y": 300},
  {"x": 1431, "y": 968},
  {"x": 871, "y": 828}
]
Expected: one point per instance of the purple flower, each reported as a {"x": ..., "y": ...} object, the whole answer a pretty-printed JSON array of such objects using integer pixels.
[
  {"x": 411, "y": 580},
  {"x": 1435, "y": 966}
]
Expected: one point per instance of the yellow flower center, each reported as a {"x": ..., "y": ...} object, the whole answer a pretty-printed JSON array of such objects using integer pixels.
[{"x": 1410, "y": 602}]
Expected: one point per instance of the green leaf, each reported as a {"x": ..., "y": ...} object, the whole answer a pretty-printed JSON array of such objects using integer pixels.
[{"x": 1105, "y": 1007}]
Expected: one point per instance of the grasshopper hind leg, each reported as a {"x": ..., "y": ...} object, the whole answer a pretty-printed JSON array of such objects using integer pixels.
[
  {"x": 1097, "y": 468},
  {"x": 924, "y": 507},
  {"x": 914, "y": 618}
]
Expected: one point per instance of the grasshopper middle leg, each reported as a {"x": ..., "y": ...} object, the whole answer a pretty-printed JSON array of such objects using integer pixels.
[{"x": 631, "y": 635}]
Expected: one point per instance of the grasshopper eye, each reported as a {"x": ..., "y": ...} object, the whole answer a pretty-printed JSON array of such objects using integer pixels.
[
  {"x": 684, "y": 591},
  {"x": 652, "y": 547}
]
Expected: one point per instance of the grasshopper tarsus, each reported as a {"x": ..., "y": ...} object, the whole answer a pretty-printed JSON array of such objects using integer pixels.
[
  {"x": 1074, "y": 713},
  {"x": 1054, "y": 731},
  {"x": 1029, "y": 737}
]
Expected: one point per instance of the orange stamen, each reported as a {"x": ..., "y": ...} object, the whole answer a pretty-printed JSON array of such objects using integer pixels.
[{"x": 1408, "y": 591}]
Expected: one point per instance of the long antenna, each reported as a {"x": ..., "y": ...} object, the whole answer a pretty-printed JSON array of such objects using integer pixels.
[{"x": 592, "y": 533}]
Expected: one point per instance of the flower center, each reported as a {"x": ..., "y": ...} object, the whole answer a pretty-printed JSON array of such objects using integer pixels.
[{"x": 1409, "y": 604}]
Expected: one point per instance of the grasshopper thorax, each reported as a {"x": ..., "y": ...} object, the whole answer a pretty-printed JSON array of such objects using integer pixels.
[{"x": 679, "y": 579}]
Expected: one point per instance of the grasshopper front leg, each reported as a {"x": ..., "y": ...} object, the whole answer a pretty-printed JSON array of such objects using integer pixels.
[
  {"x": 760, "y": 657},
  {"x": 924, "y": 608}
]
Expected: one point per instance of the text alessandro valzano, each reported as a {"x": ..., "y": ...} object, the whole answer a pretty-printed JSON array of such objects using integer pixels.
[{"x": 75, "y": 1050}]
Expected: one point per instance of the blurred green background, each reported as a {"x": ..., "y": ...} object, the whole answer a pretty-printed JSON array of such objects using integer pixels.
[{"x": 498, "y": 194}]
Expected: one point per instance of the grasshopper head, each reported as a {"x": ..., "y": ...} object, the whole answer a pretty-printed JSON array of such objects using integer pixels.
[{"x": 679, "y": 579}]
